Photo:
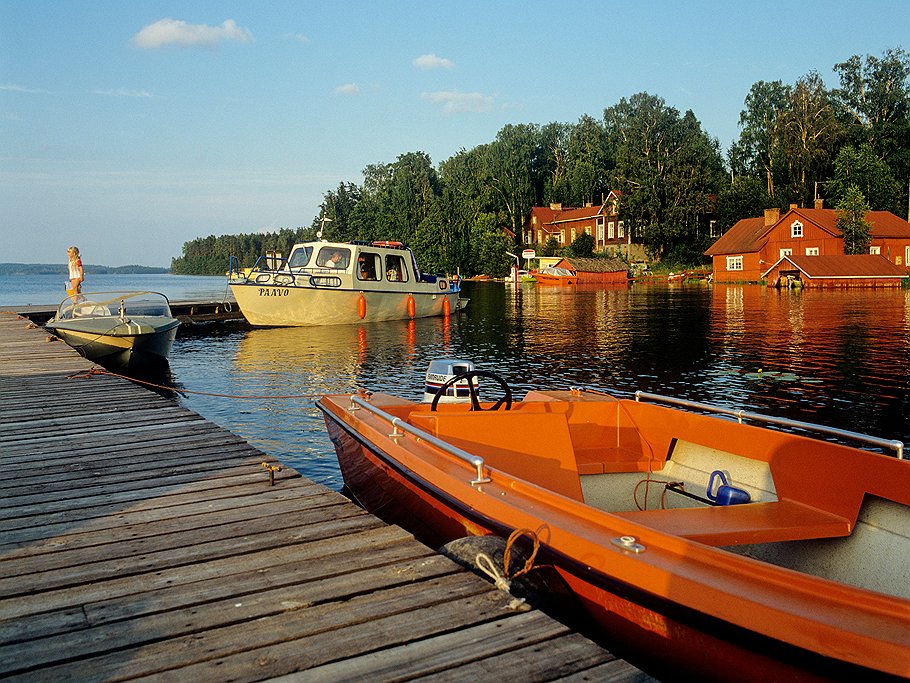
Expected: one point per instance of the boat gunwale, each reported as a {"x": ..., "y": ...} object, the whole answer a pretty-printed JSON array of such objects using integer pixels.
[{"x": 790, "y": 587}]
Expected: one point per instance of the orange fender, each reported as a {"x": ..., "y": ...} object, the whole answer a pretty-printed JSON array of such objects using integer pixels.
[{"x": 362, "y": 306}]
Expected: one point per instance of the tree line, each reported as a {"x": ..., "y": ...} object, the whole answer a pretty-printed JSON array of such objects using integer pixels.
[{"x": 797, "y": 143}]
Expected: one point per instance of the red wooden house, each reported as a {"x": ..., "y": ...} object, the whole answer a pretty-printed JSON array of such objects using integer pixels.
[
  {"x": 748, "y": 250},
  {"x": 602, "y": 222}
]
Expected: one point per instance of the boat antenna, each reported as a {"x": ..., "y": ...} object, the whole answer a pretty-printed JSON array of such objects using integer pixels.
[{"x": 322, "y": 222}]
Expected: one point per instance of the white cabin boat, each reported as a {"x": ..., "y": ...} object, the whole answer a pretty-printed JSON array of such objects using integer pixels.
[{"x": 336, "y": 283}]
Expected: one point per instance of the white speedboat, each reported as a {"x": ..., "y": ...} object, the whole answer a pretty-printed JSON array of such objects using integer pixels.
[
  {"x": 122, "y": 330},
  {"x": 336, "y": 283}
]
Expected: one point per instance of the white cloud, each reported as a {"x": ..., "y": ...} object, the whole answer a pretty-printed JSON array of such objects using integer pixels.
[
  {"x": 455, "y": 102},
  {"x": 431, "y": 61},
  {"x": 120, "y": 92},
  {"x": 299, "y": 37},
  {"x": 12, "y": 87},
  {"x": 175, "y": 32},
  {"x": 348, "y": 89}
]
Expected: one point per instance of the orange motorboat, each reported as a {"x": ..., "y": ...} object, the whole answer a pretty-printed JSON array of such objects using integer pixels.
[
  {"x": 702, "y": 542},
  {"x": 555, "y": 276}
]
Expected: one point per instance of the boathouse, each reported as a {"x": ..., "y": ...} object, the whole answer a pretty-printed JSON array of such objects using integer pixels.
[
  {"x": 754, "y": 246},
  {"x": 838, "y": 270},
  {"x": 611, "y": 271}
]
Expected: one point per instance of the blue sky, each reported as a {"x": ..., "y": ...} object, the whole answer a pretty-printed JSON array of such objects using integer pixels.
[{"x": 128, "y": 128}]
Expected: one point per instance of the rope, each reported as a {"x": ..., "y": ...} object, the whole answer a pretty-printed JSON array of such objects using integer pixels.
[
  {"x": 95, "y": 370},
  {"x": 485, "y": 564},
  {"x": 529, "y": 564}
]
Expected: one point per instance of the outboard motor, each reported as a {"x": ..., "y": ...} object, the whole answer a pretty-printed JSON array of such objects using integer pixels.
[{"x": 440, "y": 372}]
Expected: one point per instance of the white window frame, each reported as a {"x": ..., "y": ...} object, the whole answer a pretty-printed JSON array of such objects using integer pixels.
[
  {"x": 796, "y": 230},
  {"x": 600, "y": 229},
  {"x": 621, "y": 229},
  {"x": 611, "y": 230},
  {"x": 786, "y": 252},
  {"x": 811, "y": 251},
  {"x": 875, "y": 250},
  {"x": 735, "y": 262}
]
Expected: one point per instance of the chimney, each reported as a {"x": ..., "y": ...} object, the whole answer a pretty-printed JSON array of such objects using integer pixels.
[
  {"x": 794, "y": 206},
  {"x": 555, "y": 207},
  {"x": 819, "y": 203},
  {"x": 771, "y": 217}
]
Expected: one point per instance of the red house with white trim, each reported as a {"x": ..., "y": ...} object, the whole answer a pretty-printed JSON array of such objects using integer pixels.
[{"x": 748, "y": 250}]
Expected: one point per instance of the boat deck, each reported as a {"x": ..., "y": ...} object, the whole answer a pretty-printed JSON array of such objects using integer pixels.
[{"x": 139, "y": 540}]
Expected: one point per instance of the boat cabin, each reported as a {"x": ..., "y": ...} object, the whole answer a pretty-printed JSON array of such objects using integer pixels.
[{"x": 366, "y": 261}]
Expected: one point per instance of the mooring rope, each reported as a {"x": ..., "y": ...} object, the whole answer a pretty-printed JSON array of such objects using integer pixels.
[{"x": 95, "y": 370}]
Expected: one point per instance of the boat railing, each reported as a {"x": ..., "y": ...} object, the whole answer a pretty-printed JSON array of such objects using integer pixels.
[
  {"x": 398, "y": 424},
  {"x": 893, "y": 445}
]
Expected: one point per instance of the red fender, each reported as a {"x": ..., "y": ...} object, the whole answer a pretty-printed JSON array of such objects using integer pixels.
[
  {"x": 412, "y": 307},
  {"x": 362, "y": 306}
]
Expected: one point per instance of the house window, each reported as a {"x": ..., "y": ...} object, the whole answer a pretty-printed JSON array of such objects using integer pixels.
[
  {"x": 713, "y": 231},
  {"x": 588, "y": 229},
  {"x": 573, "y": 234},
  {"x": 875, "y": 250},
  {"x": 811, "y": 251},
  {"x": 600, "y": 230},
  {"x": 734, "y": 263},
  {"x": 796, "y": 229},
  {"x": 562, "y": 236},
  {"x": 622, "y": 230},
  {"x": 785, "y": 252},
  {"x": 611, "y": 230}
]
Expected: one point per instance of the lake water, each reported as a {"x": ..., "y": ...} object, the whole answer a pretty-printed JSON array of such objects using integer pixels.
[
  {"x": 839, "y": 358},
  {"x": 48, "y": 290}
]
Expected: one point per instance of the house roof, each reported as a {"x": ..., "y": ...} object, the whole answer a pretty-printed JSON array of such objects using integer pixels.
[
  {"x": 842, "y": 266},
  {"x": 750, "y": 234},
  {"x": 595, "y": 265}
]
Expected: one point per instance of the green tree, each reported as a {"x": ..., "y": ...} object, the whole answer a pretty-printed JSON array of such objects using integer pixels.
[
  {"x": 512, "y": 160},
  {"x": 861, "y": 168},
  {"x": 758, "y": 151},
  {"x": 667, "y": 169},
  {"x": 811, "y": 133},
  {"x": 489, "y": 247},
  {"x": 582, "y": 246},
  {"x": 551, "y": 246},
  {"x": 744, "y": 197},
  {"x": 851, "y": 221}
]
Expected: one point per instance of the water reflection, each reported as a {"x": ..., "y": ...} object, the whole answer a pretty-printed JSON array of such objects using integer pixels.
[{"x": 835, "y": 357}]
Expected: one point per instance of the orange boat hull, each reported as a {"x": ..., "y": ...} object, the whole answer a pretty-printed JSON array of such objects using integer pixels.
[{"x": 679, "y": 608}]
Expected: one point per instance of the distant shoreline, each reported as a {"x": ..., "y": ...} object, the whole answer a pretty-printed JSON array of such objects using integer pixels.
[{"x": 61, "y": 269}]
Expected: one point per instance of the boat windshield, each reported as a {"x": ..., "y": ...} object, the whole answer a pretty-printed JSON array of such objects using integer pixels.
[
  {"x": 562, "y": 272},
  {"x": 300, "y": 257},
  {"x": 113, "y": 303}
]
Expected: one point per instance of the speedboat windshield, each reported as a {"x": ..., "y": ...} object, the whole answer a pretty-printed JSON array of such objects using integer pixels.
[{"x": 114, "y": 303}]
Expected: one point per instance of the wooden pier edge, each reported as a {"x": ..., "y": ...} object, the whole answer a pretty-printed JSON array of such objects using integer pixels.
[{"x": 140, "y": 541}]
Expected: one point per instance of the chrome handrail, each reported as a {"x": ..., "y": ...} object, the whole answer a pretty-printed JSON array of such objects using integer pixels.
[
  {"x": 740, "y": 415},
  {"x": 397, "y": 423}
]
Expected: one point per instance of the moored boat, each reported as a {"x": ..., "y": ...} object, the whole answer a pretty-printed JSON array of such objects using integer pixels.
[
  {"x": 703, "y": 544},
  {"x": 556, "y": 276},
  {"x": 335, "y": 283},
  {"x": 119, "y": 330}
]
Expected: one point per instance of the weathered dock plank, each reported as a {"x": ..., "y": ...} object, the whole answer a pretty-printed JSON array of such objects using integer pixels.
[{"x": 138, "y": 541}]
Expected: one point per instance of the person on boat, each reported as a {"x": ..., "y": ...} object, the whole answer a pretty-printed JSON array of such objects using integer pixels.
[
  {"x": 367, "y": 268},
  {"x": 76, "y": 272},
  {"x": 336, "y": 260}
]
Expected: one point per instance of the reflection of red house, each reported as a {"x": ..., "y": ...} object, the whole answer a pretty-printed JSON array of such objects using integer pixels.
[
  {"x": 597, "y": 270},
  {"x": 747, "y": 251}
]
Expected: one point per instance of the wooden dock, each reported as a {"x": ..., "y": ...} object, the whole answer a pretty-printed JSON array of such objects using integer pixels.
[{"x": 141, "y": 541}]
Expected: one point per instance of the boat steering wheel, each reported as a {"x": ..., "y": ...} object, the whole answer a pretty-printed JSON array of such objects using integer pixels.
[{"x": 472, "y": 390}]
